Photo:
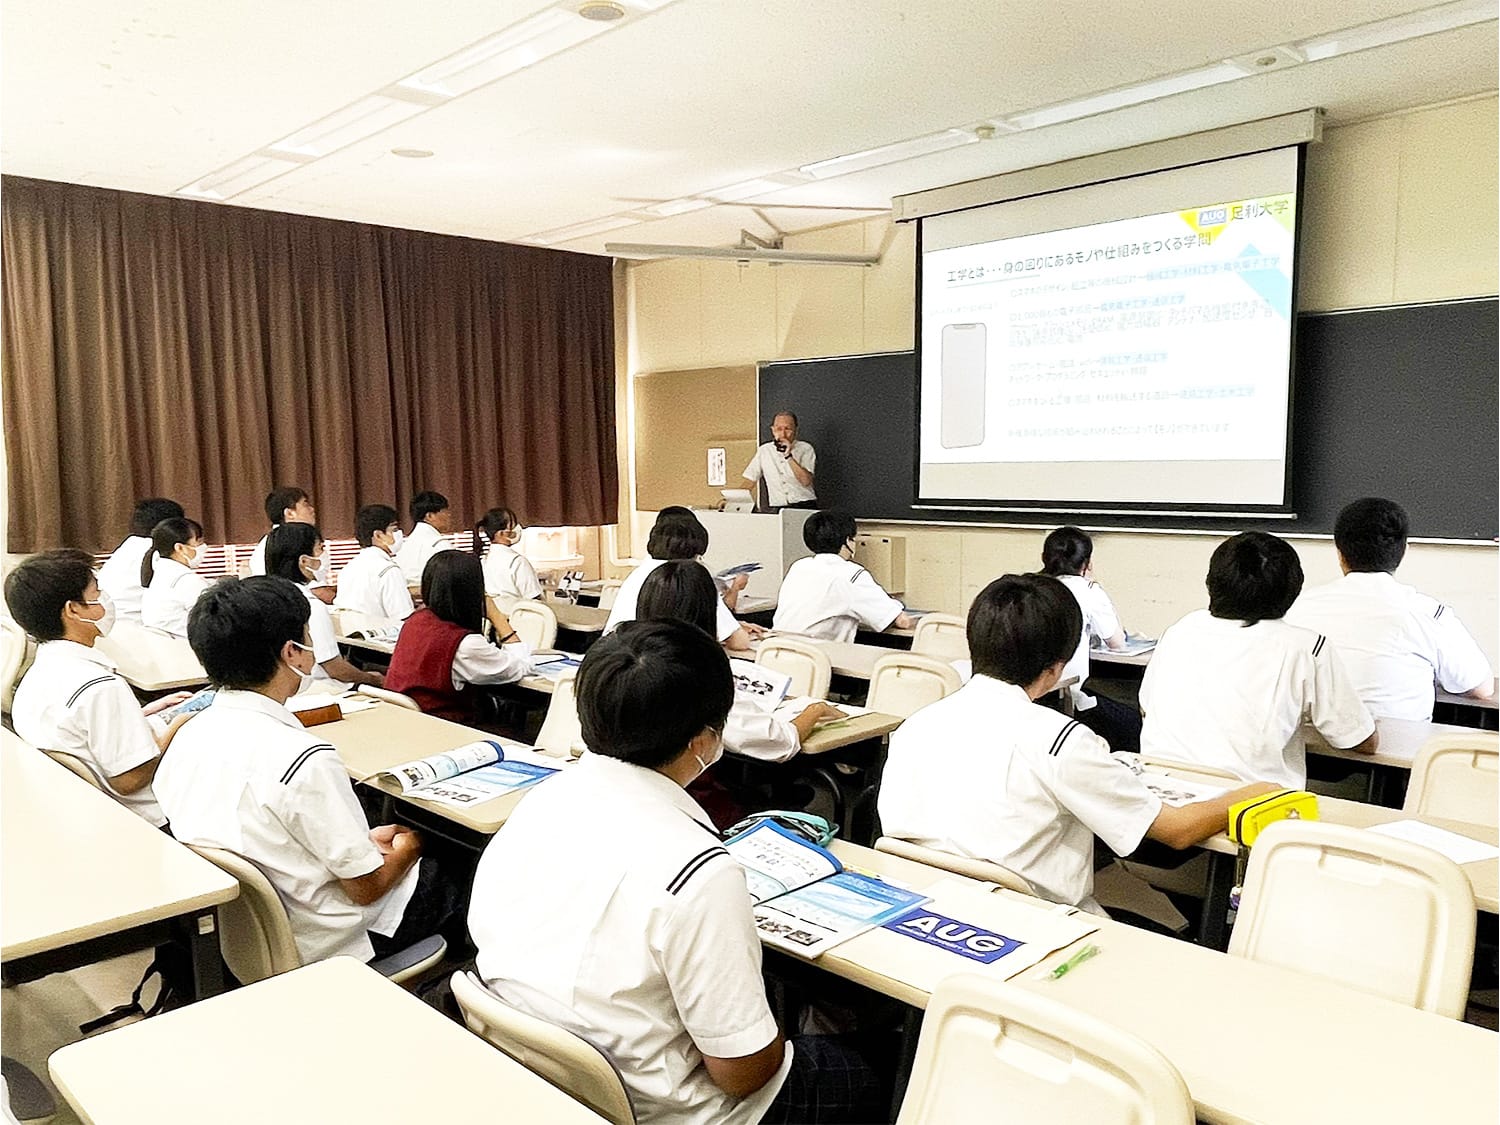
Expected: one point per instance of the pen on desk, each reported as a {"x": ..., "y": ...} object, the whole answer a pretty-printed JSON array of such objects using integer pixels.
[{"x": 1074, "y": 961}]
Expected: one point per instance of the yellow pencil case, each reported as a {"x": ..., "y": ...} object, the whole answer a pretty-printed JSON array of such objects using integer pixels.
[{"x": 1248, "y": 818}]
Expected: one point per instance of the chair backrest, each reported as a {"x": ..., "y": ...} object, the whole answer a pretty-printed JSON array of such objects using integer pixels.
[
  {"x": 905, "y": 682},
  {"x": 943, "y": 635},
  {"x": 151, "y": 656},
  {"x": 805, "y": 662},
  {"x": 609, "y": 593},
  {"x": 346, "y": 621},
  {"x": 981, "y": 869},
  {"x": 991, "y": 1049},
  {"x": 535, "y": 622},
  {"x": 75, "y": 764},
  {"x": 388, "y": 696},
  {"x": 12, "y": 659},
  {"x": 255, "y": 936},
  {"x": 574, "y": 1065},
  {"x": 1457, "y": 776},
  {"x": 1379, "y": 914},
  {"x": 561, "y": 734}
]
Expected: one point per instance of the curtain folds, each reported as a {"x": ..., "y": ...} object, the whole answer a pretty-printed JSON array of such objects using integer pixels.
[{"x": 166, "y": 347}]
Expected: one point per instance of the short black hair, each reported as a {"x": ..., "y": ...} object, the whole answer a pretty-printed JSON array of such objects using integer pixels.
[
  {"x": 165, "y": 537},
  {"x": 372, "y": 518},
  {"x": 677, "y": 534},
  {"x": 649, "y": 688},
  {"x": 1066, "y": 550},
  {"x": 1371, "y": 534},
  {"x": 1253, "y": 576},
  {"x": 425, "y": 504},
  {"x": 278, "y": 500},
  {"x": 285, "y": 547},
  {"x": 680, "y": 590},
  {"x": 825, "y": 532},
  {"x": 238, "y": 627},
  {"x": 453, "y": 588},
  {"x": 1022, "y": 624},
  {"x": 42, "y": 585},
  {"x": 151, "y": 511}
]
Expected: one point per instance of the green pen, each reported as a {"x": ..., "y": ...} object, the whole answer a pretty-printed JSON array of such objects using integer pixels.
[{"x": 1074, "y": 961}]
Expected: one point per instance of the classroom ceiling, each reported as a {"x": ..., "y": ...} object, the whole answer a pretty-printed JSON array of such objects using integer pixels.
[{"x": 679, "y": 100}]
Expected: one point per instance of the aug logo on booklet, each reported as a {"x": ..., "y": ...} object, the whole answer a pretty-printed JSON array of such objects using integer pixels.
[
  {"x": 976, "y": 944},
  {"x": 1213, "y": 216}
]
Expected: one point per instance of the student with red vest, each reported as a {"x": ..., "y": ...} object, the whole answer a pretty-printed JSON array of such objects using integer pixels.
[{"x": 440, "y": 650}]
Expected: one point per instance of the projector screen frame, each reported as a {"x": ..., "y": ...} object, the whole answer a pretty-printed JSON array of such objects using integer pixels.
[{"x": 1284, "y": 510}]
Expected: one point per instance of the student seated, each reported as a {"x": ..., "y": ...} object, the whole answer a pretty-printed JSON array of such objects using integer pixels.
[
  {"x": 441, "y": 651},
  {"x": 169, "y": 572},
  {"x": 294, "y": 551},
  {"x": 372, "y": 583},
  {"x": 678, "y": 534},
  {"x": 430, "y": 521},
  {"x": 284, "y": 505},
  {"x": 607, "y": 906},
  {"x": 1229, "y": 686},
  {"x": 829, "y": 596},
  {"x": 683, "y": 590},
  {"x": 509, "y": 576},
  {"x": 1396, "y": 642},
  {"x": 990, "y": 774},
  {"x": 120, "y": 576},
  {"x": 246, "y": 776},
  {"x": 71, "y": 699},
  {"x": 1068, "y": 556}
]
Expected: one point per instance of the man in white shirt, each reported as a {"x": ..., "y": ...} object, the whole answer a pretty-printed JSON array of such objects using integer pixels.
[
  {"x": 254, "y": 781},
  {"x": 431, "y": 521},
  {"x": 607, "y": 906},
  {"x": 372, "y": 583},
  {"x": 287, "y": 504},
  {"x": 988, "y": 773},
  {"x": 1395, "y": 641},
  {"x": 786, "y": 465},
  {"x": 829, "y": 596},
  {"x": 1231, "y": 686},
  {"x": 120, "y": 576},
  {"x": 71, "y": 699}
]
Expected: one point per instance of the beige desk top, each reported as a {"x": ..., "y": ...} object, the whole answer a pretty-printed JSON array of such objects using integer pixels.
[
  {"x": 149, "y": 660},
  {"x": 1400, "y": 739},
  {"x": 835, "y": 736},
  {"x": 78, "y": 865},
  {"x": 579, "y": 618},
  {"x": 1253, "y": 1042},
  {"x": 1134, "y": 659},
  {"x": 304, "y": 1047}
]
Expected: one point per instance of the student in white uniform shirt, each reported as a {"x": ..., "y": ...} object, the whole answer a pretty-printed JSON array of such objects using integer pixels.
[
  {"x": 169, "y": 573},
  {"x": 246, "y": 776},
  {"x": 287, "y": 504},
  {"x": 294, "y": 551},
  {"x": 1068, "y": 556},
  {"x": 786, "y": 465},
  {"x": 678, "y": 534},
  {"x": 829, "y": 596},
  {"x": 120, "y": 576},
  {"x": 990, "y": 774},
  {"x": 430, "y": 521},
  {"x": 509, "y": 576},
  {"x": 607, "y": 906},
  {"x": 372, "y": 583},
  {"x": 71, "y": 699},
  {"x": 1395, "y": 641},
  {"x": 1231, "y": 685}
]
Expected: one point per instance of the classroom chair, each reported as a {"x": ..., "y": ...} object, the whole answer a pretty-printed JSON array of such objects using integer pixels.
[
  {"x": 1457, "y": 776},
  {"x": 1375, "y": 913},
  {"x": 609, "y": 593},
  {"x": 16, "y": 653},
  {"x": 990, "y": 1049},
  {"x": 805, "y": 662},
  {"x": 904, "y": 682},
  {"x": 145, "y": 655},
  {"x": 385, "y": 695},
  {"x": 561, "y": 735},
  {"x": 349, "y": 621},
  {"x": 74, "y": 764},
  {"x": 535, "y": 622},
  {"x": 572, "y": 1064},
  {"x": 981, "y": 869},
  {"x": 941, "y": 635},
  {"x": 255, "y": 937}
]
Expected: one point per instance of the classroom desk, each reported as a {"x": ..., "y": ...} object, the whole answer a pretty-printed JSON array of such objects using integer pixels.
[
  {"x": 85, "y": 879},
  {"x": 579, "y": 625},
  {"x": 331, "y": 1042},
  {"x": 835, "y": 736},
  {"x": 1253, "y": 1042}
]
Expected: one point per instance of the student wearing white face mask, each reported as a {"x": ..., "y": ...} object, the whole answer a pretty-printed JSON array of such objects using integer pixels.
[
  {"x": 294, "y": 551},
  {"x": 169, "y": 575},
  {"x": 509, "y": 576},
  {"x": 372, "y": 583},
  {"x": 71, "y": 699}
]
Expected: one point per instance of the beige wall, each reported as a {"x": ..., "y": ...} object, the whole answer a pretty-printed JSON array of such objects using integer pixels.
[{"x": 1397, "y": 209}]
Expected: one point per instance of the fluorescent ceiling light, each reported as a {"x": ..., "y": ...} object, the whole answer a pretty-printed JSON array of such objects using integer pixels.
[
  {"x": 365, "y": 118},
  {"x": 1398, "y": 29},
  {"x": 888, "y": 154},
  {"x": 744, "y": 190},
  {"x": 583, "y": 230},
  {"x": 1125, "y": 96},
  {"x": 548, "y": 32},
  {"x": 739, "y": 254},
  {"x": 675, "y": 207},
  {"x": 241, "y": 176}
]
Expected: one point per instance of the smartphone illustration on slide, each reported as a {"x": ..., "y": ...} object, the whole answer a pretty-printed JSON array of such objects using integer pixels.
[{"x": 963, "y": 385}]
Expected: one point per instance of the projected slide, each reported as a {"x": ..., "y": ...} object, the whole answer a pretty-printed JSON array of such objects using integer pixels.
[{"x": 1143, "y": 360}]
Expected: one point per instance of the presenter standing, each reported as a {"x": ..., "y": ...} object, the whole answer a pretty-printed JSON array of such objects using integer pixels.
[{"x": 787, "y": 466}]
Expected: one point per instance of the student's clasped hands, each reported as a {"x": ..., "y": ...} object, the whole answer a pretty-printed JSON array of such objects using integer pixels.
[{"x": 390, "y": 838}]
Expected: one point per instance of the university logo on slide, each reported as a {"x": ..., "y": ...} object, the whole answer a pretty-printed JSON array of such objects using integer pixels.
[
  {"x": 976, "y": 944},
  {"x": 1213, "y": 216}
]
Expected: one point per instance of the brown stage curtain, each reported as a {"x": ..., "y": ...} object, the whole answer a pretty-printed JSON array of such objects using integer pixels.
[{"x": 166, "y": 347}]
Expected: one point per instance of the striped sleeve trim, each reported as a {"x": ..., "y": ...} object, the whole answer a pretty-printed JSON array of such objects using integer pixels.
[
  {"x": 1439, "y": 612},
  {"x": 692, "y": 867},
  {"x": 857, "y": 575},
  {"x": 83, "y": 687},
  {"x": 300, "y": 760},
  {"x": 1319, "y": 643},
  {"x": 1062, "y": 736}
]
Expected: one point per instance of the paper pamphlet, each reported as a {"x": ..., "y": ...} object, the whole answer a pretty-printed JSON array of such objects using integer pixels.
[
  {"x": 734, "y": 571},
  {"x": 555, "y": 665},
  {"x": 1134, "y": 646},
  {"x": 1179, "y": 791},
  {"x": 791, "y": 708},
  {"x": 1460, "y": 849},
  {"x": 759, "y": 684},
  {"x": 349, "y": 704},
  {"x": 469, "y": 774},
  {"x": 777, "y": 860},
  {"x": 385, "y": 634}
]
